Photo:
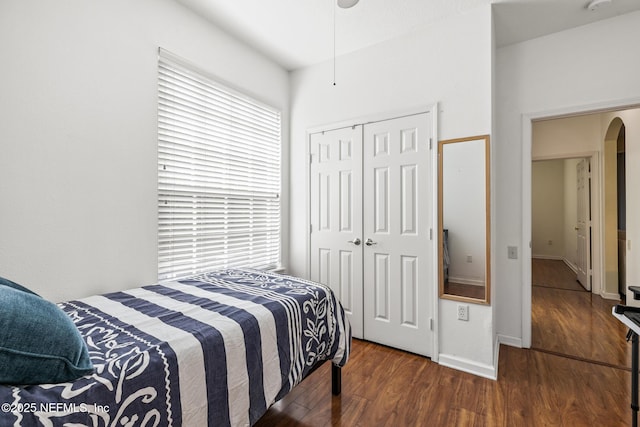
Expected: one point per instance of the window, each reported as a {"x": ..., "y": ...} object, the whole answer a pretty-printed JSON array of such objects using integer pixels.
[{"x": 218, "y": 175}]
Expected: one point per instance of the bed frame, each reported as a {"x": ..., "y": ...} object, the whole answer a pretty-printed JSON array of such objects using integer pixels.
[{"x": 336, "y": 380}]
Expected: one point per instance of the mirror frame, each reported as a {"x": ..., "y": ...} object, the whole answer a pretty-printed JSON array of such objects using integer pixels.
[{"x": 487, "y": 156}]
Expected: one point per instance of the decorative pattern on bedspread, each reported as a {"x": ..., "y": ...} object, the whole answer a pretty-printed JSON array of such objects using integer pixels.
[{"x": 217, "y": 349}]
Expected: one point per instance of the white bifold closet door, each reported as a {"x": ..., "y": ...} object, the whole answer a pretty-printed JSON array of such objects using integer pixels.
[
  {"x": 371, "y": 215},
  {"x": 336, "y": 217}
]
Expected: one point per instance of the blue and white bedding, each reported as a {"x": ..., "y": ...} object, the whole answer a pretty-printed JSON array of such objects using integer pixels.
[{"x": 217, "y": 349}]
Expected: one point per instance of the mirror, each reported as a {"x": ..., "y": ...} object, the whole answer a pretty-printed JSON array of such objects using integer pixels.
[{"x": 464, "y": 219}]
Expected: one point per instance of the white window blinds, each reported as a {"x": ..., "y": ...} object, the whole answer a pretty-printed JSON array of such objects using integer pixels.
[{"x": 218, "y": 176}]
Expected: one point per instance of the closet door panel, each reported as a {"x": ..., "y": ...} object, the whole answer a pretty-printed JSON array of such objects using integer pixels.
[
  {"x": 336, "y": 217},
  {"x": 398, "y": 252}
]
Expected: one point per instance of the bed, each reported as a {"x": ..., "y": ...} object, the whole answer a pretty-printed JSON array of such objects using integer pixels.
[{"x": 216, "y": 349}]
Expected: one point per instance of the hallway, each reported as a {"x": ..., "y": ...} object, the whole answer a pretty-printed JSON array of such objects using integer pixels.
[{"x": 567, "y": 320}]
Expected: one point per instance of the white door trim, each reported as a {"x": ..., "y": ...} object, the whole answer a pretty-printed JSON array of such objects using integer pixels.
[{"x": 431, "y": 109}]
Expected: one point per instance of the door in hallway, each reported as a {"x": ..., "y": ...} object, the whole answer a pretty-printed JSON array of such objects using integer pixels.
[{"x": 583, "y": 226}]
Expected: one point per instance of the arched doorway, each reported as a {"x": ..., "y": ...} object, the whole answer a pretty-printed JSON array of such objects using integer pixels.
[{"x": 614, "y": 209}]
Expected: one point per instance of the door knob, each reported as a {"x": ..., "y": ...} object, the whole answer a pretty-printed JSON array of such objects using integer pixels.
[
  {"x": 355, "y": 241},
  {"x": 370, "y": 242}
]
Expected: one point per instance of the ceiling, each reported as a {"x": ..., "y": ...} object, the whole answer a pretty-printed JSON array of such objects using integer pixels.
[{"x": 298, "y": 33}]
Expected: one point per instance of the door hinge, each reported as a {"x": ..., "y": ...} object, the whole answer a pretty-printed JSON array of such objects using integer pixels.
[
  {"x": 430, "y": 143},
  {"x": 431, "y": 234},
  {"x": 431, "y": 323},
  {"x": 310, "y": 158}
]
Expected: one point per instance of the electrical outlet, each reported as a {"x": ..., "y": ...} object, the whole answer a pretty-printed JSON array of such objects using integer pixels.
[
  {"x": 550, "y": 242},
  {"x": 469, "y": 258},
  {"x": 463, "y": 312},
  {"x": 512, "y": 252}
]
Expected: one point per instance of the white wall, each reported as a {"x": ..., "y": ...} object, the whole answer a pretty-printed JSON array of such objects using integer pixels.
[
  {"x": 78, "y": 128},
  {"x": 547, "y": 202},
  {"x": 554, "y": 209},
  {"x": 570, "y": 234},
  {"x": 564, "y": 137},
  {"x": 448, "y": 63},
  {"x": 584, "y": 68}
]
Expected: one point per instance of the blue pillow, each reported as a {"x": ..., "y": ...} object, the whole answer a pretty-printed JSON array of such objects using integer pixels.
[
  {"x": 39, "y": 343},
  {"x": 14, "y": 285}
]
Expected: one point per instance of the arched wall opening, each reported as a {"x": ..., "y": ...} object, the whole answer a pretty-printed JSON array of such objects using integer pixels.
[{"x": 613, "y": 229}]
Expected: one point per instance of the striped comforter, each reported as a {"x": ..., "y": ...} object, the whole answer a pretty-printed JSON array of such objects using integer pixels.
[{"x": 217, "y": 349}]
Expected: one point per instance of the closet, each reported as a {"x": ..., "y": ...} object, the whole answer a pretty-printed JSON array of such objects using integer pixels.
[{"x": 371, "y": 217}]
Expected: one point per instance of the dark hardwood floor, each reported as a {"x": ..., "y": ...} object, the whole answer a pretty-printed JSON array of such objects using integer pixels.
[
  {"x": 568, "y": 320},
  {"x": 554, "y": 385}
]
